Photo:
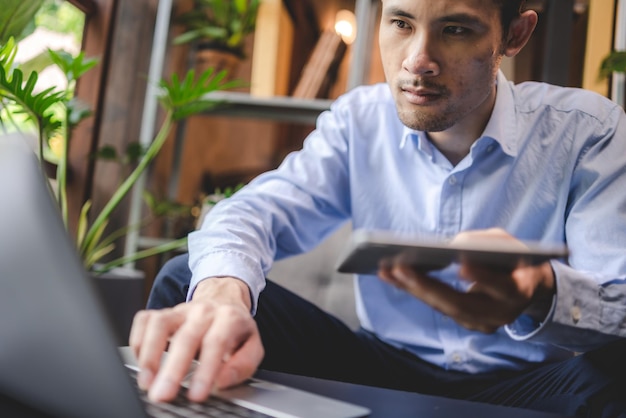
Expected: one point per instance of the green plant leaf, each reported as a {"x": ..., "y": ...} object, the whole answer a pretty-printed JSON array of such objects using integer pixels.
[
  {"x": 222, "y": 23},
  {"x": 159, "y": 249},
  {"x": 16, "y": 18},
  {"x": 150, "y": 200},
  {"x": 77, "y": 111},
  {"x": 209, "y": 32},
  {"x": 134, "y": 151},
  {"x": 187, "y": 97},
  {"x": 94, "y": 233},
  {"x": 72, "y": 66},
  {"x": 164, "y": 207},
  {"x": 8, "y": 52},
  {"x": 241, "y": 6},
  {"x": 37, "y": 106},
  {"x": 82, "y": 224},
  {"x": 97, "y": 254},
  {"x": 90, "y": 244},
  {"x": 107, "y": 153},
  {"x": 614, "y": 62}
]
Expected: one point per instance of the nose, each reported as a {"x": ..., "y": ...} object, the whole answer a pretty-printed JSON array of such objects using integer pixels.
[{"x": 419, "y": 59}]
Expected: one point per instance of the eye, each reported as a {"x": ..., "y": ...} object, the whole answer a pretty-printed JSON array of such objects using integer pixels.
[
  {"x": 455, "y": 30},
  {"x": 400, "y": 24}
]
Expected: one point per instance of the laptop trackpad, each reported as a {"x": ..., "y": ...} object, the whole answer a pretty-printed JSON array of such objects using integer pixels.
[{"x": 272, "y": 398}]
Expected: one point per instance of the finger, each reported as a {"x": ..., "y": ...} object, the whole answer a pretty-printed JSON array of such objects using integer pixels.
[
  {"x": 137, "y": 330},
  {"x": 242, "y": 364},
  {"x": 503, "y": 299},
  {"x": 161, "y": 325},
  {"x": 231, "y": 330},
  {"x": 431, "y": 291},
  {"x": 498, "y": 283},
  {"x": 387, "y": 276},
  {"x": 475, "y": 311},
  {"x": 538, "y": 283},
  {"x": 184, "y": 345}
]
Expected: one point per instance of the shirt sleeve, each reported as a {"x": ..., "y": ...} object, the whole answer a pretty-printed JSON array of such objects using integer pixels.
[
  {"x": 281, "y": 213},
  {"x": 589, "y": 308}
]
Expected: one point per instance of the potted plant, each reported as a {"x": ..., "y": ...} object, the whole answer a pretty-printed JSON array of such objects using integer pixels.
[
  {"x": 217, "y": 30},
  {"x": 19, "y": 97},
  {"x": 180, "y": 99}
]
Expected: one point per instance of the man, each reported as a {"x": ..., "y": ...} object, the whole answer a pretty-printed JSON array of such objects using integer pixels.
[{"x": 446, "y": 147}]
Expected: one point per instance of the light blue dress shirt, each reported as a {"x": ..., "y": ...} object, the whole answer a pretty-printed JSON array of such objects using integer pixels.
[{"x": 550, "y": 166}]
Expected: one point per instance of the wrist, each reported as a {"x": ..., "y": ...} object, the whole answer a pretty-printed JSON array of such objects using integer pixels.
[
  {"x": 225, "y": 290},
  {"x": 543, "y": 297}
]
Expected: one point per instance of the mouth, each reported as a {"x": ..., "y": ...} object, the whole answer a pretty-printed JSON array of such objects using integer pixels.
[{"x": 421, "y": 95}]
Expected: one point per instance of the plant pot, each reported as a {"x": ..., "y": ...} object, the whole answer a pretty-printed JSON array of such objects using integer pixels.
[
  {"x": 217, "y": 59},
  {"x": 122, "y": 294}
]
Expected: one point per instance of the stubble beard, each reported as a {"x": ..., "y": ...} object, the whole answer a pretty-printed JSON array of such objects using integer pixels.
[
  {"x": 447, "y": 111},
  {"x": 425, "y": 119},
  {"x": 422, "y": 121}
]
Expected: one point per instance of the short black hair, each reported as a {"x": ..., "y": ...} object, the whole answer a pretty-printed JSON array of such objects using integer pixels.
[{"x": 509, "y": 10}]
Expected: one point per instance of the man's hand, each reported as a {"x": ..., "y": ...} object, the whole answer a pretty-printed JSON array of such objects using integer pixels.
[
  {"x": 495, "y": 297},
  {"x": 216, "y": 325}
]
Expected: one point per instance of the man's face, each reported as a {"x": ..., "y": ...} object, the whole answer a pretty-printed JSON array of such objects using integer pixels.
[{"x": 440, "y": 59}]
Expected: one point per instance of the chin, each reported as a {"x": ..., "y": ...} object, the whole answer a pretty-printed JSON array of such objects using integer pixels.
[{"x": 424, "y": 121}]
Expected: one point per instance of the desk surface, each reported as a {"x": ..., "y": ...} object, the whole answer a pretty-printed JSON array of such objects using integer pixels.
[{"x": 383, "y": 402}]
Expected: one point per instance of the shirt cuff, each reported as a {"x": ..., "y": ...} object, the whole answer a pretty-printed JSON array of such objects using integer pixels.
[
  {"x": 229, "y": 264},
  {"x": 574, "y": 321},
  {"x": 525, "y": 326}
]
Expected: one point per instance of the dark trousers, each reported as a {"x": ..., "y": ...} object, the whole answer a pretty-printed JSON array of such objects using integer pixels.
[{"x": 302, "y": 339}]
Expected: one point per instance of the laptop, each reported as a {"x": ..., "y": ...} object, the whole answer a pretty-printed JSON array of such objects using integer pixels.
[{"x": 58, "y": 356}]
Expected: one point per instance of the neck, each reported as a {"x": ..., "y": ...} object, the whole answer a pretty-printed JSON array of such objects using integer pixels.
[{"x": 455, "y": 142}]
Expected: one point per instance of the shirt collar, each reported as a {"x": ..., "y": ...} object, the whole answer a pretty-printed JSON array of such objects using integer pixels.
[
  {"x": 500, "y": 128},
  {"x": 501, "y": 125}
]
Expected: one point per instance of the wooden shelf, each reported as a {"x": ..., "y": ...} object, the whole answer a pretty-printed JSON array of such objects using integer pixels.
[
  {"x": 236, "y": 104},
  {"x": 279, "y": 108}
]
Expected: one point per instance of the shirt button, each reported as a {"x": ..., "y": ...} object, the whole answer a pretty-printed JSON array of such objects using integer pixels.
[
  {"x": 490, "y": 148},
  {"x": 452, "y": 180},
  {"x": 456, "y": 358},
  {"x": 576, "y": 314}
]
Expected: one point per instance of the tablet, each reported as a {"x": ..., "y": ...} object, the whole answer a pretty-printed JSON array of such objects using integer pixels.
[{"x": 367, "y": 250}]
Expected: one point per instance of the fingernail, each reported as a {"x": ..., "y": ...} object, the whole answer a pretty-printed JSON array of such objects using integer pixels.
[
  {"x": 197, "y": 390},
  {"x": 161, "y": 389},
  {"x": 144, "y": 379}
]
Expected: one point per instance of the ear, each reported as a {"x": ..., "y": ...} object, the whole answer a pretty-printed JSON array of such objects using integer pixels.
[{"x": 520, "y": 30}]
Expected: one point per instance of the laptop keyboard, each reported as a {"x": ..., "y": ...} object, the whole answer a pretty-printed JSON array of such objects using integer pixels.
[{"x": 182, "y": 407}]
